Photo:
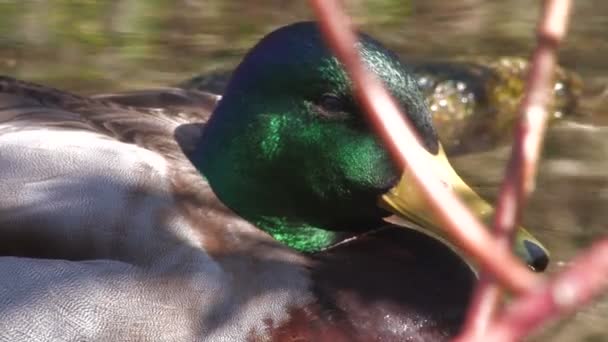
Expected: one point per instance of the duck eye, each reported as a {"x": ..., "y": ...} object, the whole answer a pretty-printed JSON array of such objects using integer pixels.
[
  {"x": 331, "y": 103},
  {"x": 331, "y": 107}
]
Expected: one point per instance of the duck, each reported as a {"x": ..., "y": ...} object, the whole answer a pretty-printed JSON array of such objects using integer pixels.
[{"x": 258, "y": 215}]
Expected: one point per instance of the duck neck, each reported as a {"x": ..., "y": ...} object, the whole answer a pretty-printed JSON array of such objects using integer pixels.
[{"x": 300, "y": 236}]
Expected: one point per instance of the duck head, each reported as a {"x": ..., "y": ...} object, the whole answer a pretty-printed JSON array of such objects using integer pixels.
[{"x": 290, "y": 149}]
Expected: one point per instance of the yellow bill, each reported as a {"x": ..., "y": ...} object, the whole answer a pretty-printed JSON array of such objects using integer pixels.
[{"x": 407, "y": 202}]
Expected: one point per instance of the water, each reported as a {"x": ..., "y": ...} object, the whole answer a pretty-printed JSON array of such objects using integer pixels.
[{"x": 97, "y": 46}]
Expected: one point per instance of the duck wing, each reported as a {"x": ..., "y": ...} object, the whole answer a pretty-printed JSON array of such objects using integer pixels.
[
  {"x": 198, "y": 103},
  {"x": 107, "y": 231}
]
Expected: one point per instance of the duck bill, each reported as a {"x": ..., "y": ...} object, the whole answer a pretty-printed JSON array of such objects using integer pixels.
[{"x": 408, "y": 203}]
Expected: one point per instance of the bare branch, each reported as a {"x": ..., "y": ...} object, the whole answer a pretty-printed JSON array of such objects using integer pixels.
[
  {"x": 585, "y": 279},
  {"x": 521, "y": 170},
  {"x": 466, "y": 230}
]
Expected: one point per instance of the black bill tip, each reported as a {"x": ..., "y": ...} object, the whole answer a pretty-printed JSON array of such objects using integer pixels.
[{"x": 538, "y": 257}]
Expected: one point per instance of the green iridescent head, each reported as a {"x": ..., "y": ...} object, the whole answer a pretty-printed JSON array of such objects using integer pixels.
[{"x": 289, "y": 148}]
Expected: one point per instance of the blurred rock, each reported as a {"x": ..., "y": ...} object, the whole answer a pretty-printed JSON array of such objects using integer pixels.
[{"x": 474, "y": 102}]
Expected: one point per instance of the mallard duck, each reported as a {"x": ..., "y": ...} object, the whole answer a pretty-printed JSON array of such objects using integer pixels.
[{"x": 254, "y": 217}]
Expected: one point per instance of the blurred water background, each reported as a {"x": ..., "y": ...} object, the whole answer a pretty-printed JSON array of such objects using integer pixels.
[{"x": 100, "y": 46}]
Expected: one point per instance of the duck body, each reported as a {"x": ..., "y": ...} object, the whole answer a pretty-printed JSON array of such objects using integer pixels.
[
  {"x": 108, "y": 231},
  {"x": 197, "y": 271},
  {"x": 171, "y": 262},
  {"x": 168, "y": 271}
]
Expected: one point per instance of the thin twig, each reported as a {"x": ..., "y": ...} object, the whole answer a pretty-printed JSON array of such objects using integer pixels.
[
  {"x": 584, "y": 280},
  {"x": 466, "y": 230},
  {"x": 521, "y": 170},
  {"x": 482, "y": 309}
]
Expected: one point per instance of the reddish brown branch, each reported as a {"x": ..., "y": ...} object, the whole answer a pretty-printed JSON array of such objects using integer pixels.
[
  {"x": 586, "y": 278},
  {"x": 569, "y": 290},
  {"x": 482, "y": 309},
  {"x": 521, "y": 170},
  {"x": 458, "y": 221}
]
